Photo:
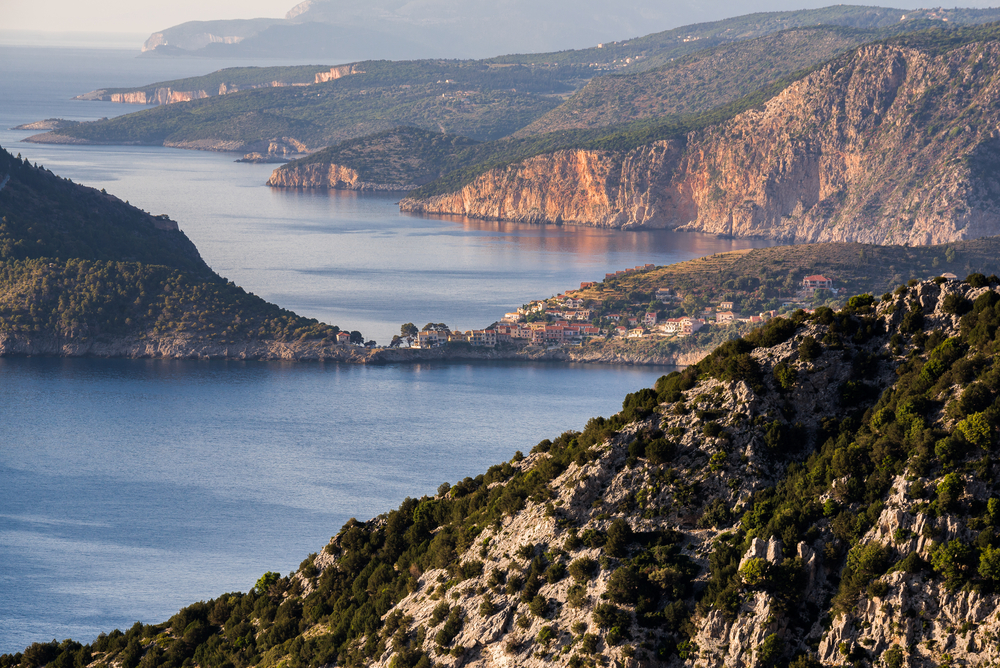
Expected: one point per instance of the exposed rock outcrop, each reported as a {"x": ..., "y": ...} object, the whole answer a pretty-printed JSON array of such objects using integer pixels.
[
  {"x": 338, "y": 72},
  {"x": 167, "y": 95},
  {"x": 886, "y": 145},
  {"x": 323, "y": 175},
  {"x": 402, "y": 158}
]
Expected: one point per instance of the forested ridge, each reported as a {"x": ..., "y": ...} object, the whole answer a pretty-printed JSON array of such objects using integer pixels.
[{"x": 77, "y": 264}]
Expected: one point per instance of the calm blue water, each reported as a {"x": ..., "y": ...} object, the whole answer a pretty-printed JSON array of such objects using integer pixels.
[{"x": 131, "y": 488}]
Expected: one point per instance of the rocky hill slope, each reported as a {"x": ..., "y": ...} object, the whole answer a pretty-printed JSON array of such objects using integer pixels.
[
  {"x": 398, "y": 159},
  {"x": 703, "y": 80},
  {"x": 822, "y": 492},
  {"x": 893, "y": 143}
]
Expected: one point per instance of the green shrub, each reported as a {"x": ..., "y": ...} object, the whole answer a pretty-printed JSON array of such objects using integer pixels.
[
  {"x": 977, "y": 430},
  {"x": 809, "y": 348},
  {"x": 784, "y": 375},
  {"x": 948, "y": 493},
  {"x": 539, "y": 606},
  {"x": 755, "y": 572},
  {"x": 893, "y": 657},
  {"x": 953, "y": 560},
  {"x": 712, "y": 429},
  {"x": 582, "y": 569},
  {"x": 618, "y": 537},
  {"x": 440, "y": 613},
  {"x": 770, "y": 650},
  {"x": 977, "y": 280},
  {"x": 546, "y": 634},
  {"x": 956, "y": 304}
]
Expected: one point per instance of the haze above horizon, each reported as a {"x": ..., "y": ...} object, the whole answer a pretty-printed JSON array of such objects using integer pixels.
[{"x": 118, "y": 23}]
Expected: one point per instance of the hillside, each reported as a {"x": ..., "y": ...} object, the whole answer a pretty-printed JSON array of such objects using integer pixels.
[
  {"x": 696, "y": 90},
  {"x": 534, "y": 33},
  {"x": 798, "y": 167},
  {"x": 470, "y": 98},
  {"x": 83, "y": 273},
  {"x": 221, "y": 82},
  {"x": 399, "y": 159},
  {"x": 280, "y": 111},
  {"x": 476, "y": 29},
  {"x": 761, "y": 278},
  {"x": 707, "y": 79},
  {"x": 821, "y": 492},
  {"x": 656, "y": 49}
]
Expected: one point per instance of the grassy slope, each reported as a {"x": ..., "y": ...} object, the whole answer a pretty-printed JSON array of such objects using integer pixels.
[
  {"x": 76, "y": 262},
  {"x": 338, "y": 110}
]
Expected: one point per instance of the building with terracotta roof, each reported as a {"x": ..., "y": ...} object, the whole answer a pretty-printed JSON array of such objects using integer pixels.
[{"x": 817, "y": 282}]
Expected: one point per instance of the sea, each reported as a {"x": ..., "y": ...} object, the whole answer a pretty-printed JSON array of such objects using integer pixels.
[{"x": 130, "y": 488}]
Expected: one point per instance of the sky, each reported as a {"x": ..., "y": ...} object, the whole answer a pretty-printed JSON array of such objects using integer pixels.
[
  {"x": 52, "y": 20},
  {"x": 129, "y": 16}
]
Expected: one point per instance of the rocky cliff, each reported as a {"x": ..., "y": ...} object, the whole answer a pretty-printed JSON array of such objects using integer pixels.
[
  {"x": 338, "y": 72},
  {"x": 320, "y": 175},
  {"x": 887, "y": 145},
  {"x": 402, "y": 158},
  {"x": 167, "y": 95}
]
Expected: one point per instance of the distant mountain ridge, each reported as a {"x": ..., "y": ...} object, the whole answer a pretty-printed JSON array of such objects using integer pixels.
[{"x": 336, "y": 29}]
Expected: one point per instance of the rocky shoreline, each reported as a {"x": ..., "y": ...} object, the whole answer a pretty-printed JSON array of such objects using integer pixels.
[{"x": 193, "y": 348}]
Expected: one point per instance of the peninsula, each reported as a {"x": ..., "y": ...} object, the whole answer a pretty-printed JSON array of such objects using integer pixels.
[{"x": 84, "y": 274}]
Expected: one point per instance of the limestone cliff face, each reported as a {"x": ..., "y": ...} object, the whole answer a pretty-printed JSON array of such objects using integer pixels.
[
  {"x": 887, "y": 145},
  {"x": 338, "y": 72},
  {"x": 325, "y": 175},
  {"x": 167, "y": 95}
]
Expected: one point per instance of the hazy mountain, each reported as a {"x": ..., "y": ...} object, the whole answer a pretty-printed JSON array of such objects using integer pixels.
[{"x": 447, "y": 28}]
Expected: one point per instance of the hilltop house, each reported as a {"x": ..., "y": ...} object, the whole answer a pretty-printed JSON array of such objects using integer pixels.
[{"x": 817, "y": 282}]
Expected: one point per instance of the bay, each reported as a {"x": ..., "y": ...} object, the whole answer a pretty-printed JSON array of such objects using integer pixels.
[
  {"x": 347, "y": 258},
  {"x": 131, "y": 488}
]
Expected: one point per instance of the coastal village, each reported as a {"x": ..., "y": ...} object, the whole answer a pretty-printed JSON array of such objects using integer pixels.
[{"x": 577, "y": 316}]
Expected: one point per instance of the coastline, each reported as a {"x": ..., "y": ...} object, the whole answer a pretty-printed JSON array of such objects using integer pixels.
[{"x": 193, "y": 348}]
